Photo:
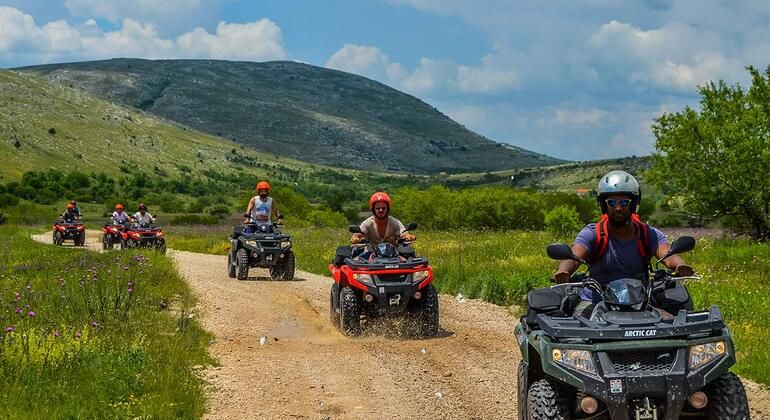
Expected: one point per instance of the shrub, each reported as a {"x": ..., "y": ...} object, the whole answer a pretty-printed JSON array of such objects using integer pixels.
[
  {"x": 562, "y": 221},
  {"x": 2, "y": 219},
  {"x": 8, "y": 200},
  {"x": 219, "y": 210},
  {"x": 194, "y": 219},
  {"x": 195, "y": 207}
]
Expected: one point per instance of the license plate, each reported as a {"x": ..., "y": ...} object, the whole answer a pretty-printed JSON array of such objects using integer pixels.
[
  {"x": 646, "y": 414},
  {"x": 269, "y": 257},
  {"x": 394, "y": 300}
]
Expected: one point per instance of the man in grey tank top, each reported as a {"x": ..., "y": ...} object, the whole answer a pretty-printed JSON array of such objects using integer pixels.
[{"x": 380, "y": 227}]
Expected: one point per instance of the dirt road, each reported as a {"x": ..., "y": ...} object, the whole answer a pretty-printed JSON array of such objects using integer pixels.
[{"x": 307, "y": 369}]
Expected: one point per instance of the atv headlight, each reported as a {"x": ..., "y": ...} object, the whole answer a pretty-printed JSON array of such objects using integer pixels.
[
  {"x": 704, "y": 353},
  {"x": 159, "y": 234},
  {"x": 252, "y": 243},
  {"x": 575, "y": 359},
  {"x": 366, "y": 278},
  {"x": 419, "y": 276},
  {"x": 285, "y": 244}
]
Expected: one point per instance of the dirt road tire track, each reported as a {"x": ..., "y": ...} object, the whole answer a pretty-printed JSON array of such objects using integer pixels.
[{"x": 307, "y": 369}]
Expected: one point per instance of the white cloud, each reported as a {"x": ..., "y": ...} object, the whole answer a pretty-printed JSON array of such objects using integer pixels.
[
  {"x": 578, "y": 117},
  {"x": 359, "y": 59},
  {"x": 22, "y": 37},
  {"x": 674, "y": 56},
  {"x": 429, "y": 76},
  {"x": 485, "y": 79}
]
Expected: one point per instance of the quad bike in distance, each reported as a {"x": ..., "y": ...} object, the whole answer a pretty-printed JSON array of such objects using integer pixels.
[
  {"x": 143, "y": 235},
  {"x": 392, "y": 283},
  {"x": 263, "y": 246},
  {"x": 112, "y": 233},
  {"x": 630, "y": 359},
  {"x": 69, "y": 230}
]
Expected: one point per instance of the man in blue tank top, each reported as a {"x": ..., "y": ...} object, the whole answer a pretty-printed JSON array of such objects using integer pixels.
[{"x": 620, "y": 245}]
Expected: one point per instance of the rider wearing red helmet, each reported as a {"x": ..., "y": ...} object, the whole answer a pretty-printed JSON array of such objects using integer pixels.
[
  {"x": 119, "y": 215},
  {"x": 261, "y": 207},
  {"x": 71, "y": 214},
  {"x": 381, "y": 227}
]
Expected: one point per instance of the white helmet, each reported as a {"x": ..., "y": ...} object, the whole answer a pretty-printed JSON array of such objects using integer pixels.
[{"x": 619, "y": 182}]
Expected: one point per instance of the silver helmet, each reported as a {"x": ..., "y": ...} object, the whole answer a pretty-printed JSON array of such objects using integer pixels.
[{"x": 619, "y": 182}]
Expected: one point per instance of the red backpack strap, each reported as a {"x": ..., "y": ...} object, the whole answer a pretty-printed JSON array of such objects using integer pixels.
[{"x": 602, "y": 238}]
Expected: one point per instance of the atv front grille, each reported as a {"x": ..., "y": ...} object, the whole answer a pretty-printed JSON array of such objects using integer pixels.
[
  {"x": 396, "y": 278},
  {"x": 642, "y": 362},
  {"x": 269, "y": 244}
]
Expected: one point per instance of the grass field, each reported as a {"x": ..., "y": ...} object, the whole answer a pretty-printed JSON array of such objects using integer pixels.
[
  {"x": 500, "y": 267},
  {"x": 87, "y": 335}
]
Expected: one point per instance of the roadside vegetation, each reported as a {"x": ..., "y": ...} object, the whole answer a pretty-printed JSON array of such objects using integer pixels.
[{"x": 97, "y": 335}]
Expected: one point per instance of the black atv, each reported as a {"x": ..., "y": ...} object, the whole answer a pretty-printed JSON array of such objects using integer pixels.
[
  {"x": 391, "y": 282},
  {"x": 263, "y": 246},
  {"x": 629, "y": 359}
]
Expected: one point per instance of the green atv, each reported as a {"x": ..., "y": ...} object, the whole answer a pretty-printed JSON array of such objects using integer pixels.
[{"x": 631, "y": 359}]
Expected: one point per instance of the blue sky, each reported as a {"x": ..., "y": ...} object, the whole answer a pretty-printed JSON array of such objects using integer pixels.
[{"x": 574, "y": 79}]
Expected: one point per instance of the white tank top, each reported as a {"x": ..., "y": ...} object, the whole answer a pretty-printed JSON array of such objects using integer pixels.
[{"x": 262, "y": 210}]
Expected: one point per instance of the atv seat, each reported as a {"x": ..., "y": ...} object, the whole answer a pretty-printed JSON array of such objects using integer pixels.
[{"x": 551, "y": 301}]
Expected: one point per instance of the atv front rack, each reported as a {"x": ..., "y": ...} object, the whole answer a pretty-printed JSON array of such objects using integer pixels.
[
  {"x": 409, "y": 264},
  {"x": 682, "y": 325}
]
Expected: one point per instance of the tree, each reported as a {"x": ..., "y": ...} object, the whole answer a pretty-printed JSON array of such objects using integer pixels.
[{"x": 715, "y": 162}]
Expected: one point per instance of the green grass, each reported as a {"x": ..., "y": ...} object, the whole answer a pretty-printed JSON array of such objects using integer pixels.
[
  {"x": 500, "y": 267},
  {"x": 87, "y": 335}
]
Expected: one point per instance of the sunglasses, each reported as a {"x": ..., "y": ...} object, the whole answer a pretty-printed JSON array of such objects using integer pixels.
[
  {"x": 612, "y": 202},
  {"x": 380, "y": 208}
]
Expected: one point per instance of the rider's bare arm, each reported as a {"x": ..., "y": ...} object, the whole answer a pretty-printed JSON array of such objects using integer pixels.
[
  {"x": 274, "y": 210},
  {"x": 674, "y": 262},
  {"x": 249, "y": 208},
  {"x": 567, "y": 267}
]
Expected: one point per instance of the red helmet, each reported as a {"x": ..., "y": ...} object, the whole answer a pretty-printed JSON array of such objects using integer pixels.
[
  {"x": 119, "y": 207},
  {"x": 70, "y": 206},
  {"x": 263, "y": 185},
  {"x": 379, "y": 197}
]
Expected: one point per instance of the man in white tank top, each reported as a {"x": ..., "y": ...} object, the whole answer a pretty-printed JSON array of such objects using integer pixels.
[
  {"x": 261, "y": 207},
  {"x": 381, "y": 227}
]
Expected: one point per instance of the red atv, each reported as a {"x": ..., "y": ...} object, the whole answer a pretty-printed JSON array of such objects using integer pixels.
[
  {"x": 64, "y": 230},
  {"x": 391, "y": 282},
  {"x": 112, "y": 233},
  {"x": 143, "y": 235}
]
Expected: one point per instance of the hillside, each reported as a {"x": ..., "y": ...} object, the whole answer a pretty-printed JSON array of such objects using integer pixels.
[
  {"x": 44, "y": 125},
  {"x": 296, "y": 110}
]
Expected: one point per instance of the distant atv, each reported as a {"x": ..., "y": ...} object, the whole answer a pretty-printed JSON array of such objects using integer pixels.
[
  {"x": 74, "y": 231},
  {"x": 263, "y": 246},
  {"x": 392, "y": 283},
  {"x": 628, "y": 360},
  {"x": 143, "y": 235},
  {"x": 112, "y": 233}
]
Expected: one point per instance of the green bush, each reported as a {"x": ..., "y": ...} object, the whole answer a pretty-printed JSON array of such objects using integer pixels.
[
  {"x": 194, "y": 219},
  {"x": 2, "y": 219},
  {"x": 325, "y": 218},
  {"x": 8, "y": 200},
  {"x": 562, "y": 222},
  {"x": 195, "y": 207},
  {"x": 219, "y": 210}
]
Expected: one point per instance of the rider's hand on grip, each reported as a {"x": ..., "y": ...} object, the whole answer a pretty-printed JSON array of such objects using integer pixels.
[
  {"x": 561, "y": 277},
  {"x": 684, "y": 270}
]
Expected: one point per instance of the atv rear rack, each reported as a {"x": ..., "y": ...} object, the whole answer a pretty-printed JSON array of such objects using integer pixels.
[{"x": 683, "y": 324}]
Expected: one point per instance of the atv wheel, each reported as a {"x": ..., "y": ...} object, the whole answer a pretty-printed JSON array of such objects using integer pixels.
[
  {"x": 334, "y": 316},
  {"x": 727, "y": 398},
  {"x": 123, "y": 244},
  {"x": 160, "y": 246},
  {"x": 106, "y": 242},
  {"x": 230, "y": 266},
  {"x": 289, "y": 265},
  {"x": 522, "y": 390},
  {"x": 81, "y": 240},
  {"x": 350, "y": 312},
  {"x": 428, "y": 318},
  {"x": 546, "y": 401},
  {"x": 242, "y": 264},
  {"x": 276, "y": 271},
  {"x": 58, "y": 238}
]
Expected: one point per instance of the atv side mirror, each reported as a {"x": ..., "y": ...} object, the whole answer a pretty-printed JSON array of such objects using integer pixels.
[
  {"x": 410, "y": 226},
  {"x": 561, "y": 252},
  {"x": 680, "y": 245},
  {"x": 355, "y": 229}
]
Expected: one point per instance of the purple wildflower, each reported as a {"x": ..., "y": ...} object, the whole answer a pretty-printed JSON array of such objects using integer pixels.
[
  {"x": 77, "y": 335},
  {"x": 9, "y": 329},
  {"x": 94, "y": 324},
  {"x": 56, "y": 334},
  {"x": 18, "y": 310},
  {"x": 130, "y": 290},
  {"x": 32, "y": 314},
  {"x": 29, "y": 286}
]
